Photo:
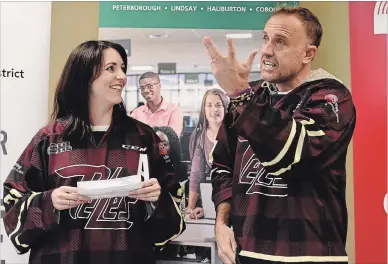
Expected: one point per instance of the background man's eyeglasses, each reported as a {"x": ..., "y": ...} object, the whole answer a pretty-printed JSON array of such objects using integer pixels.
[{"x": 148, "y": 86}]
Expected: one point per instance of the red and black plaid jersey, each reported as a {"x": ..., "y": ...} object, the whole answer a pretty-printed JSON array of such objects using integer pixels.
[
  {"x": 281, "y": 165},
  {"x": 117, "y": 230}
]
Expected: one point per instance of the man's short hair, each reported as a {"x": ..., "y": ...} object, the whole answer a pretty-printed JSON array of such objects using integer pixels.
[
  {"x": 150, "y": 75},
  {"x": 313, "y": 27}
]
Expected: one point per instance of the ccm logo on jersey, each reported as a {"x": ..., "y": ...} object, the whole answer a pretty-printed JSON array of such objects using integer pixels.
[{"x": 130, "y": 147}]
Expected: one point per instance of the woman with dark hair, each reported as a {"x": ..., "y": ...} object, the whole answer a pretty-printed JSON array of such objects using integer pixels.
[
  {"x": 172, "y": 144},
  {"x": 90, "y": 139}
]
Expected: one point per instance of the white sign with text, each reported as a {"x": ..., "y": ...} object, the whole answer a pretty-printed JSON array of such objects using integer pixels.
[{"x": 24, "y": 80}]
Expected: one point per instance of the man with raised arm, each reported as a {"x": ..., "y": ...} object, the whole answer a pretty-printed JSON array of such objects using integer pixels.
[{"x": 278, "y": 172}]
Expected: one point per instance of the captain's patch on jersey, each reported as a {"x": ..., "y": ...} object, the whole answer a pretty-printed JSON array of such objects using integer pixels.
[{"x": 162, "y": 149}]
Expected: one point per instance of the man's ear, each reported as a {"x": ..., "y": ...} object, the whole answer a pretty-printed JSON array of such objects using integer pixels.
[{"x": 310, "y": 53}]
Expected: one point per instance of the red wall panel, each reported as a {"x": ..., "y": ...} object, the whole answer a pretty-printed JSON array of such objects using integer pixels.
[{"x": 369, "y": 88}]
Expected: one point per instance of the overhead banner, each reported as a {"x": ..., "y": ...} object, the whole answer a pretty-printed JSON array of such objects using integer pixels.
[
  {"x": 166, "y": 37},
  {"x": 368, "y": 49},
  {"x": 188, "y": 14}
]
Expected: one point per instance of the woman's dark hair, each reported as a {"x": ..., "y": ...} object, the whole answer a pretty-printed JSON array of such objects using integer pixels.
[
  {"x": 175, "y": 152},
  {"x": 71, "y": 100}
]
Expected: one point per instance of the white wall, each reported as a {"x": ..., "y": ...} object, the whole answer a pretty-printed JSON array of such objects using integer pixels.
[{"x": 25, "y": 45}]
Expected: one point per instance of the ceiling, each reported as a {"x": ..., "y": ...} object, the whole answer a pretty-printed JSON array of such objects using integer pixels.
[
  {"x": 184, "y": 46},
  {"x": 176, "y": 35}
]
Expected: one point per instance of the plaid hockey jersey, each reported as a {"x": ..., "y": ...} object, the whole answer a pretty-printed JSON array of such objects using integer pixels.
[
  {"x": 104, "y": 231},
  {"x": 280, "y": 161}
]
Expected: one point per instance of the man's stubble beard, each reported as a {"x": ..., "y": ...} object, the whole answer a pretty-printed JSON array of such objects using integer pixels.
[{"x": 282, "y": 78}]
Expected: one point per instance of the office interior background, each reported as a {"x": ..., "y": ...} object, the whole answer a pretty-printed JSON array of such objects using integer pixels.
[{"x": 181, "y": 60}]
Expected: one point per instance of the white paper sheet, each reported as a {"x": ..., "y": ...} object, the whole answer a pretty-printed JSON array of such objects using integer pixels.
[{"x": 118, "y": 187}]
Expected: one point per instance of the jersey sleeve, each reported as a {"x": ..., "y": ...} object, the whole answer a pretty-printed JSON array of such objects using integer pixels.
[
  {"x": 222, "y": 158},
  {"x": 29, "y": 211},
  {"x": 323, "y": 127},
  {"x": 166, "y": 222}
]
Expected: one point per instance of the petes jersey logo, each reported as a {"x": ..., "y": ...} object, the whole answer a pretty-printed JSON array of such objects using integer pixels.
[
  {"x": 253, "y": 174},
  {"x": 111, "y": 213},
  {"x": 381, "y": 18}
]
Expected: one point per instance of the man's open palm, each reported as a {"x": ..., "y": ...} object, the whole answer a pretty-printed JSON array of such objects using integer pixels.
[{"x": 230, "y": 74}]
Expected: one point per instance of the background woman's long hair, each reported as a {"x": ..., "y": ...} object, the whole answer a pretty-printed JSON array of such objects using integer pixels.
[
  {"x": 175, "y": 152},
  {"x": 71, "y": 100},
  {"x": 198, "y": 135}
]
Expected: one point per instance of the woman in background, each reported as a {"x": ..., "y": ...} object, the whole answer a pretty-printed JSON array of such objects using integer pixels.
[
  {"x": 213, "y": 108},
  {"x": 172, "y": 144}
]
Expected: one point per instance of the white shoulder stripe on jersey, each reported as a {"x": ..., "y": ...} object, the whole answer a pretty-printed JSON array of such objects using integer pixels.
[
  {"x": 296, "y": 259},
  {"x": 299, "y": 147}
]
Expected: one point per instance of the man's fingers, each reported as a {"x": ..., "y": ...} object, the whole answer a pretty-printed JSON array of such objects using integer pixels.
[
  {"x": 231, "y": 49},
  {"x": 212, "y": 65},
  {"x": 212, "y": 48},
  {"x": 225, "y": 255},
  {"x": 234, "y": 246},
  {"x": 225, "y": 248},
  {"x": 251, "y": 58},
  {"x": 230, "y": 254}
]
